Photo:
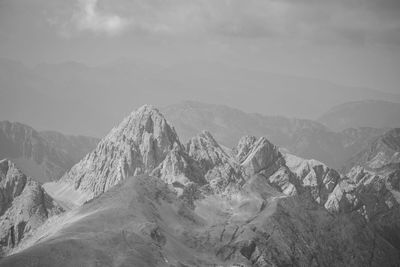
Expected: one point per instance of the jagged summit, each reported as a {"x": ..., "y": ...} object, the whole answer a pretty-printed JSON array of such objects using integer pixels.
[
  {"x": 24, "y": 205},
  {"x": 145, "y": 119},
  {"x": 378, "y": 154},
  {"x": 204, "y": 148},
  {"x": 136, "y": 146},
  {"x": 224, "y": 203}
]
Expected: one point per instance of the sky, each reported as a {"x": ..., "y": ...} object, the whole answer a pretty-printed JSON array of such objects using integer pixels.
[{"x": 351, "y": 42}]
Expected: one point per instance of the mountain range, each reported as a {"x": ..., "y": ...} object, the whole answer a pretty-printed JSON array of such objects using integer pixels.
[
  {"x": 68, "y": 88},
  {"x": 45, "y": 156},
  {"x": 143, "y": 197},
  {"x": 306, "y": 138},
  {"x": 372, "y": 113}
]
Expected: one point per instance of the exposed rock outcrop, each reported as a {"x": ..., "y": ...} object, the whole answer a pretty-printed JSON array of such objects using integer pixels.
[
  {"x": 24, "y": 205},
  {"x": 137, "y": 146},
  {"x": 218, "y": 168},
  {"x": 370, "y": 189},
  {"x": 44, "y": 156},
  {"x": 142, "y": 223},
  {"x": 305, "y": 138},
  {"x": 256, "y": 206}
]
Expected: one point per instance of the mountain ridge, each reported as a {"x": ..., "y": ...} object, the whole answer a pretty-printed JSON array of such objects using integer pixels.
[
  {"x": 199, "y": 204},
  {"x": 43, "y": 155},
  {"x": 370, "y": 113},
  {"x": 306, "y": 138}
]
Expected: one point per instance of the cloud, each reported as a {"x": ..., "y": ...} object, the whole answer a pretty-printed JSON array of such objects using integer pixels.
[
  {"x": 90, "y": 18},
  {"x": 323, "y": 21}
]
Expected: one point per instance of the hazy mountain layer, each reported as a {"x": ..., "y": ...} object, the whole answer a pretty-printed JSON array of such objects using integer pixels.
[
  {"x": 69, "y": 88},
  {"x": 381, "y": 153},
  {"x": 372, "y": 113},
  {"x": 45, "y": 156},
  {"x": 306, "y": 138}
]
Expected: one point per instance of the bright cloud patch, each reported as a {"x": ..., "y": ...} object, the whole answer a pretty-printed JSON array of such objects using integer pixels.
[
  {"x": 356, "y": 21},
  {"x": 90, "y": 18}
]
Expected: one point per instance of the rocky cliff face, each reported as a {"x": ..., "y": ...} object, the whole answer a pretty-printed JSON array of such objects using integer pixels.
[
  {"x": 137, "y": 146},
  {"x": 141, "y": 222},
  {"x": 305, "y": 138},
  {"x": 219, "y": 170},
  {"x": 24, "y": 205},
  {"x": 371, "y": 187},
  {"x": 44, "y": 156},
  {"x": 255, "y": 205},
  {"x": 379, "y": 153}
]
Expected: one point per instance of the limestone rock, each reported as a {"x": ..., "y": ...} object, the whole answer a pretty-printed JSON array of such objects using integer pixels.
[
  {"x": 219, "y": 169},
  {"x": 383, "y": 151},
  {"x": 244, "y": 146},
  {"x": 313, "y": 176},
  {"x": 264, "y": 158},
  {"x": 137, "y": 146},
  {"x": 45, "y": 156},
  {"x": 179, "y": 169},
  {"x": 24, "y": 206}
]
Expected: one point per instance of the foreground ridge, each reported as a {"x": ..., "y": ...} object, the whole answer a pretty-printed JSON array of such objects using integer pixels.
[{"x": 153, "y": 201}]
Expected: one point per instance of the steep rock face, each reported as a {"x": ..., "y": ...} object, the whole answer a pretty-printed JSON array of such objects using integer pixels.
[
  {"x": 137, "y": 146},
  {"x": 244, "y": 146},
  {"x": 43, "y": 156},
  {"x": 305, "y": 138},
  {"x": 141, "y": 222},
  {"x": 313, "y": 176},
  {"x": 31, "y": 151},
  {"x": 179, "y": 169},
  {"x": 370, "y": 189},
  {"x": 264, "y": 158},
  {"x": 217, "y": 167},
  {"x": 24, "y": 205},
  {"x": 264, "y": 208}
]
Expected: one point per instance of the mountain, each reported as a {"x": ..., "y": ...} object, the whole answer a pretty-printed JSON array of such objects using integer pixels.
[
  {"x": 24, "y": 206},
  {"x": 75, "y": 146},
  {"x": 138, "y": 145},
  {"x": 45, "y": 156},
  {"x": 371, "y": 113},
  {"x": 374, "y": 185},
  {"x": 306, "y": 138},
  {"x": 141, "y": 222},
  {"x": 380, "y": 154},
  {"x": 142, "y": 198},
  {"x": 28, "y": 93}
]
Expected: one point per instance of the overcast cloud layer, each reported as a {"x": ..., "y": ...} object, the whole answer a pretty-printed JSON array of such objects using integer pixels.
[
  {"x": 350, "y": 42},
  {"x": 356, "y": 21}
]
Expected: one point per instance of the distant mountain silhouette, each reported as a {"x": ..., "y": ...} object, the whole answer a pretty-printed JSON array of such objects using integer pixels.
[{"x": 371, "y": 113}]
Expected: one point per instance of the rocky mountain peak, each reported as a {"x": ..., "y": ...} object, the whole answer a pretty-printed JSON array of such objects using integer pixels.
[
  {"x": 136, "y": 146},
  {"x": 392, "y": 139},
  {"x": 24, "y": 205},
  {"x": 145, "y": 120},
  {"x": 244, "y": 146},
  {"x": 204, "y": 149},
  {"x": 262, "y": 155},
  {"x": 12, "y": 182},
  {"x": 378, "y": 154}
]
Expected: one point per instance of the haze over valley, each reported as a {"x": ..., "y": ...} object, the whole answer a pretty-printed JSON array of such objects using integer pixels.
[{"x": 199, "y": 133}]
